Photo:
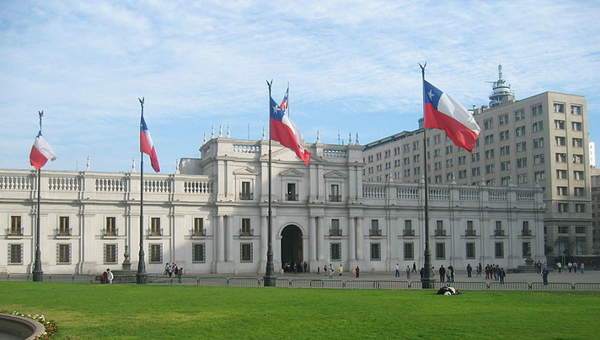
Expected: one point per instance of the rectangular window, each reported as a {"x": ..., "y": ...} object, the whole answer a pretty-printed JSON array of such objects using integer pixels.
[
  {"x": 576, "y": 126},
  {"x": 580, "y": 207},
  {"x": 499, "y": 250},
  {"x": 64, "y": 254},
  {"x": 440, "y": 251},
  {"x": 490, "y": 168},
  {"x": 520, "y": 131},
  {"x": 409, "y": 251},
  {"x": 560, "y": 141},
  {"x": 579, "y": 191},
  {"x": 563, "y": 207},
  {"x": 475, "y": 157},
  {"x": 15, "y": 226},
  {"x": 537, "y": 126},
  {"x": 475, "y": 172},
  {"x": 576, "y": 110},
  {"x": 577, "y": 142},
  {"x": 375, "y": 251},
  {"x": 503, "y": 119},
  {"x": 563, "y": 230},
  {"x": 521, "y": 146},
  {"x": 63, "y": 226},
  {"x": 335, "y": 228},
  {"x": 579, "y": 230},
  {"x": 111, "y": 226},
  {"x": 525, "y": 231},
  {"x": 335, "y": 251},
  {"x": 505, "y": 181},
  {"x": 538, "y": 143},
  {"x": 536, "y": 110},
  {"x": 577, "y": 159},
  {"x": 110, "y": 253},
  {"x": 522, "y": 179},
  {"x": 198, "y": 253},
  {"x": 246, "y": 253},
  {"x": 561, "y": 174},
  {"x": 246, "y": 229},
  {"x": 561, "y": 157},
  {"x": 522, "y": 162},
  {"x": 334, "y": 194},
  {"x": 559, "y": 124},
  {"x": 199, "y": 226},
  {"x": 15, "y": 254},
  {"x": 246, "y": 193},
  {"x": 155, "y": 229},
  {"x": 504, "y": 150},
  {"x": 156, "y": 253},
  {"x": 578, "y": 175},
  {"x": 526, "y": 249},
  {"x": 489, "y": 139},
  {"x": 519, "y": 115},
  {"x": 559, "y": 108},
  {"x": 505, "y": 166},
  {"x": 291, "y": 192},
  {"x": 538, "y": 159},
  {"x": 488, "y": 124},
  {"x": 561, "y": 191},
  {"x": 539, "y": 176},
  {"x": 470, "y": 248}
]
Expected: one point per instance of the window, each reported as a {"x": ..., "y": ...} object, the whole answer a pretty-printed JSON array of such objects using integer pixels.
[
  {"x": 559, "y": 124},
  {"x": 536, "y": 110},
  {"x": 416, "y": 158},
  {"x": 408, "y": 230},
  {"x": 576, "y": 110},
  {"x": 409, "y": 251},
  {"x": 470, "y": 230},
  {"x": 538, "y": 159},
  {"x": 198, "y": 226},
  {"x": 246, "y": 229},
  {"x": 560, "y": 141},
  {"x": 520, "y": 131},
  {"x": 563, "y": 230},
  {"x": 334, "y": 194},
  {"x": 490, "y": 168},
  {"x": 489, "y": 139},
  {"x": 246, "y": 193},
  {"x": 579, "y": 207},
  {"x": 63, "y": 253},
  {"x": 505, "y": 150},
  {"x": 521, "y": 146},
  {"x": 449, "y": 163},
  {"x": 578, "y": 175},
  {"x": 559, "y": 108},
  {"x": 561, "y": 174},
  {"x": 439, "y": 228},
  {"x": 462, "y": 160},
  {"x": 246, "y": 253},
  {"x": 436, "y": 139},
  {"x": 499, "y": 250},
  {"x": 462, "y": 174},
  {"x": 561, "y": 157},
  {"x": 63, "y": 226},
  {"x": 578, "y": 142},
  {"x": 504, "y": 135},
  {"x": 15, "y": 254},
  {"x": 522, "y": 179},
  {"x": 155, "y": 229},
  {"x": 375, "y": 231},
  {"x": 579, "y": 191},
  {"x": 526, "y": 249},
  {"x": 375, "y": 251},
  {"x": 111, "y": 226},
  {"x": 503, "y": 119},
  {"x": 291, "y": 192},
  {"x": 475, "y": 172},
  {"x": 538, "y": 143},
  {"x": 198, "y": 253},
  {"x": 562, "y": 191},
  {"x": 470, "y": 248},
  {"x": 519, "y": 115},
  {"x": 563, "y": 207},
  {"x": 440, "y": 251},
  {"x": 579, "y": 229},
  {"x": 505, "y": 166},
  {"x": 577, "y": 159},
  {"x": 156, "y": 253},
  {"x": 525, "y": 229},
  {"x": 537, "y": 126},
  {"x": 489, "y": 154},
  {"x": 576, "y": 126},
  {"x": 335, "y": 251},
  {"x": 505, "y": 181},
  {"x": 488, "y": 124},
  {"x": 110, "y": 253},
  {"x": 522, "y": 162},
  {"x": 15, "y": 226},
  {"x": 335, "y": 228},
  {"x": 490, "y": 182}
]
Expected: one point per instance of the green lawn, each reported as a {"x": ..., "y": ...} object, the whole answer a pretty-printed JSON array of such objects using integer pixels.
[{"x": 150, "y": 312}]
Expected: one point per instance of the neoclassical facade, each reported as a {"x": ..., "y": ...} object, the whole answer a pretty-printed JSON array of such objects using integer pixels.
[{"x": 211, "y": 216}]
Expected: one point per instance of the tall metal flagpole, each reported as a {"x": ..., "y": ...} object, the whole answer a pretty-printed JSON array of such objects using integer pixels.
[
  {"x": 37, "y": 263},
  {"x": 141, "y": 276},
  {"x": 269, "y": 278},
  {"x": 426, "y": 281}
]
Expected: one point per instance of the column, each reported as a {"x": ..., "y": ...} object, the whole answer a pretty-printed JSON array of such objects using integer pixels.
[
  {"x": 321, "y": 236},
  {"x": 228, "y": 238},
  {"x": 220, "y": 239},
  {"x": 264, "y": 244},
  {"x": 312, "y": 238},
  {"x": 352, "y": 240},
  {"x": 359, "y": 239}
]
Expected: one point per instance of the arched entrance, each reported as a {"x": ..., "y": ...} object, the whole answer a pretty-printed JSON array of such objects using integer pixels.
[{"x": 291, "y": 247}]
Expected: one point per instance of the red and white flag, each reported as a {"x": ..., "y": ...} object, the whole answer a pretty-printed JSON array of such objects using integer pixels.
[
  {"x": 284, "y": 131},
  {"x": 147, "y": 146},
  {"x": 41, "y": 152},
  {"x": 442, "y": 112}
]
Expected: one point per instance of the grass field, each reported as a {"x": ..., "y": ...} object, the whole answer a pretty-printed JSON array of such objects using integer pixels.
[{"x": 155, "y": 312}]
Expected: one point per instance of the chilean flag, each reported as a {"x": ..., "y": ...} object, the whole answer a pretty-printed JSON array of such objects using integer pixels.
[
  {"x": 146, "y": 145},
  {"x": 444, "y": 113},
  {"x": 283, "y": 130},
  {"x": 41, "y": 152}
]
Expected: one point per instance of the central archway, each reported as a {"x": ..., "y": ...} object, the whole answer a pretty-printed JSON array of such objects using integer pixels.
[{"x": 291, "y": 245}]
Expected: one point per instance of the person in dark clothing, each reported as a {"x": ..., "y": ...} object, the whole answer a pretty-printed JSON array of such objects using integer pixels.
[
  {"x": 357, "y": 272},
  {"x": 469, "y": 270},
  {"x": 421, "y": 273},
  {"x": 442, "y": 272},
  {"x": 414, "y": 267},
  {"x": 545, "y": 276},
  {"x": 451, "y": 269}
]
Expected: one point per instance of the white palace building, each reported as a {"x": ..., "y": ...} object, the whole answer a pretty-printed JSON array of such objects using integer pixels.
[{"x": 211, "y": 216}]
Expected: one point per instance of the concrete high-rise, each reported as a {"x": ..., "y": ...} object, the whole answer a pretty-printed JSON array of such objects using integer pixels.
[{"x": 540, "y": 141}]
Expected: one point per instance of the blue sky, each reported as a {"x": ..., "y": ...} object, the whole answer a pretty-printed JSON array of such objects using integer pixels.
[{"x": 351, "y": 65}]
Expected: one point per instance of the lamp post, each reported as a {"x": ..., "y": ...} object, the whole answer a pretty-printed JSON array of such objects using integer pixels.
[{"x": 37, "y": 263}]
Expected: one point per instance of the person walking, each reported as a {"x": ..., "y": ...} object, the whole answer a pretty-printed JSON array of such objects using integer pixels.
[
  {"x": 397, "y": 273},
  {"x": 407, "y": 273},
  {"x": 502, "y": 275},
  {"x": 357, "y": 272},
  {"x": 442, "y": 272},
  {"x": 469, "y": 270},
  {"x": 575, "y": 267},
  {"x": 545, "y": 276},
  {"x": 109, "y": 276},
  {"x": 179, "y": 274},
  {"x": 340, "y": 269},
  {"x": 414, "y": 267}
]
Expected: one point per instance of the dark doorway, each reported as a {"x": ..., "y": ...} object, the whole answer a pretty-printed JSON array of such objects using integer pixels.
[{"x": 291, "y": 248}]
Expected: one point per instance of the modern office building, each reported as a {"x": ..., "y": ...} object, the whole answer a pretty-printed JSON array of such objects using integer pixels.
[
  {"x": 211, "y": 216},
  {"x": 595, "y": 180},
  {"x": 540, "y": 141}
]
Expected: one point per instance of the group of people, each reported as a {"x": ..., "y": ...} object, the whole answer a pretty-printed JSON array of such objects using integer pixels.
[
  {"x": 295, "y": 267},
  {"x": 572, "y": 267},
  {"x": 495, "y": 272},
  {"x": 330, "y": 271},
  {"x": 107, "y": 277},
  {"x": 172, "y": 269}
]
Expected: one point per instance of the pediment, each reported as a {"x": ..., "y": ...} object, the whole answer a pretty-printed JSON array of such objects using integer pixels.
[
  {"x": 246, "y": 171},
  {"x": 291, "y": 173},
  {"x": 334, "y": 174}
]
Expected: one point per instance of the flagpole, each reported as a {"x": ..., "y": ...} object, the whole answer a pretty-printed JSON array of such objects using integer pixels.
[
  {"x": 426, "y": 281},
  {"x": 37, "y": 264},
  {"x": 141, "y": 276},
  {"x": 269, "y": 278}
]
